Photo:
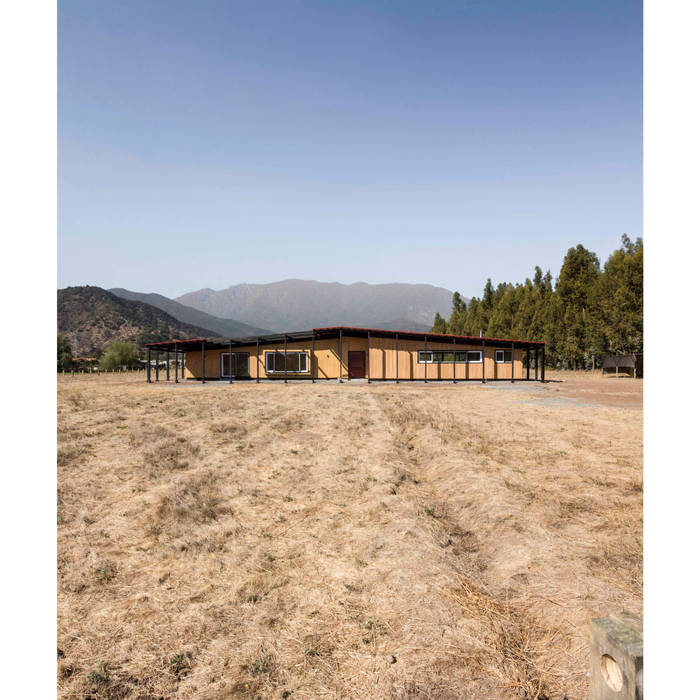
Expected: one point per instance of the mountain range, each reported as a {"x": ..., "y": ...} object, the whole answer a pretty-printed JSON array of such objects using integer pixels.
[
  {"x": 224, "y": 327},
  {"x": 297, "y": 304},
  {"x": 91, "y": 317}
]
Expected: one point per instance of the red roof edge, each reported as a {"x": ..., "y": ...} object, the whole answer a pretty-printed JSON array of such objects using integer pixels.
[{"x": 446, "y": 335}]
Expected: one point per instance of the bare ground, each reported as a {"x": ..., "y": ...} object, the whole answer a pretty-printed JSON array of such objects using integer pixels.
[{"x": 346, "y": 541}]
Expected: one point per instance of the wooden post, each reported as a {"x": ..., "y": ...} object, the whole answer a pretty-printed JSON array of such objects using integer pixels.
[
  {"x": 340, "y": 356},
  {"x": 483, "y": 362},
  {"x": 616, "y": 657},
  {"x": 202, "y": 362},
  {"x": 148, "y": 367},
  {"x": 512, "y": 362},
  {"x": 177, "y": 362},
  {"x": 157, "y": 365},
  {"x": 285, "y": 359},
  {"x": 425, "y": 364},
  {"x": 454, "y": 360},
  {"x": 537, "y": 360},
  {"x": 167, "y": 366},
  {"x": 369, "y": 364},
  {"x": 257, "y": 360},
  {"x": 397, "y": 358}
]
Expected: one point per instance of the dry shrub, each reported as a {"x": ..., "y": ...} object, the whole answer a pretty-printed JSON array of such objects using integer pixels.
[
  {"x": 169, "y": 454},
  {"x": 517, "y": 650},
  {"x": 71, "y": 453},
  {"x": 148, "y": 433},
  {"x": 229, "y": 430},
  {"x": 193, "y": 500}
]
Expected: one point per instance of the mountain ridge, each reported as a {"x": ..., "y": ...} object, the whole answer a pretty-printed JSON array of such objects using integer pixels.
[
  {"x": 224, "y": 327},
  {"x": 290, "y": 304},
  {"x": 91, "y": 317}
]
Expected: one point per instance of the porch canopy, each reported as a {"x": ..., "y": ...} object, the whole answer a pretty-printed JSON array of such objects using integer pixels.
[{"x": 214, "y": 343}]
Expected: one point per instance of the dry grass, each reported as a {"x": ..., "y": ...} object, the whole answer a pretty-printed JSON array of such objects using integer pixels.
[{"x": 355, "y": 541}]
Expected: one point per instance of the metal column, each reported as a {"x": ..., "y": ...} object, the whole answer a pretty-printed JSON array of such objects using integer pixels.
[
  {"x": 177, "y": 362},
  {"x": 157, "y": 365},
  {"x": 167, "y": 366},
  {"x": 542, "y": 363},
  {"x": 454, "y": 360},
  {"x": 202, "y": 362},
  {"x": 340, "y": 356},
  {"x": 537, "y": 362},
  {"x": 257, "y": 360},
  {"x": 369, "y": 378},
  {"x": 313, "y": 353},
  {"x": 425, "y": 364},
  {"x": 397, "y": 358},
  {"x": 512, "y": 363},
  {"x": 285, "y": 359},
  {"x": 483, "y": 362},
  {"x": 527, "y": 360},
  {"x": 148, "y": 367},
  {"x": 230, "y": 361}
]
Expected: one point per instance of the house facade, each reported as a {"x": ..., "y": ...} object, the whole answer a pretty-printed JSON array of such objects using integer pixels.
[{"x": 344, "y": 353}]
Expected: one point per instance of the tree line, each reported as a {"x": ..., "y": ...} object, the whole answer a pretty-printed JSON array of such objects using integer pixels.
[
  {"x": 115, "y": 355},
  {"x": 585, "y": 313}
]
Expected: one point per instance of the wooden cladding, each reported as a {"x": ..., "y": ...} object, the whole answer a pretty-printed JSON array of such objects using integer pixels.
[{"x": 376, "y": 359}]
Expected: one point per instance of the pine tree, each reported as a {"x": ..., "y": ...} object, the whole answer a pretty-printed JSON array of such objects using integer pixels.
[{"x": 439, "y": 324}]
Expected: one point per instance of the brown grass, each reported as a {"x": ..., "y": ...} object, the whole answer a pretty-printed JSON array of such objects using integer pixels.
[{"x": 305, "y": 541}]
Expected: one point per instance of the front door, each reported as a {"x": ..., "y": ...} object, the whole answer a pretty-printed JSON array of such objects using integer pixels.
[{"x": 356, "y": 364}]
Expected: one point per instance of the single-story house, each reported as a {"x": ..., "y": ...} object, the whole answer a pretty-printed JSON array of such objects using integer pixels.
[{"x": 342, "y": 353}]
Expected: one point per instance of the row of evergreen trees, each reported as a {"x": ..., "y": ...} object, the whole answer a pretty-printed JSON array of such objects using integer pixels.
[{"x": 586, "y": 313}]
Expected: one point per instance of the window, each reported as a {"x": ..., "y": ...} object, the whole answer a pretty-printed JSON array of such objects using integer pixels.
[
  {"x": 238, "y": 362},
  {"x": 504, "y": 356},
  {"x": 447, "y": 356},
  {"x": 295, "y": 362}
]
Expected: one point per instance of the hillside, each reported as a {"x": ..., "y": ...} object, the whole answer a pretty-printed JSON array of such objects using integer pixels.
[
  {"x": 296, "y": 304},
  {"x": 91, "y": 317},
  {"x": 224, "y": 327}
]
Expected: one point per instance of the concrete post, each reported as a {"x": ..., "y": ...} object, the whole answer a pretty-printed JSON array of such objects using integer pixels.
[{"x": 616, "y": 657}]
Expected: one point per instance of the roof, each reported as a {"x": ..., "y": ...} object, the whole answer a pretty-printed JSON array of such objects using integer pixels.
[{"x": 191, "y": 344}]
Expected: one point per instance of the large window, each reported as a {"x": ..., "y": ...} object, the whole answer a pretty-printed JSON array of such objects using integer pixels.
[
  {"x": 236, "y": 365},
  {"x": 447, "y": 356},
  {"x": 504, "y": 356},
  {"x": 293, "y": 362}
]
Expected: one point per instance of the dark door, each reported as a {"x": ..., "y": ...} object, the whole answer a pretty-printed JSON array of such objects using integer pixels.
[{"x": 356, "y": 364}]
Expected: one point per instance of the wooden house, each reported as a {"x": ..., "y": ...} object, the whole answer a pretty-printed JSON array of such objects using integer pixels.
[{"x": 342, "y": 353}]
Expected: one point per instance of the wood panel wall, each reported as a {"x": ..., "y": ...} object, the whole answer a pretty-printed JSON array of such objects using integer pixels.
[{"x": 382, "y": 360}]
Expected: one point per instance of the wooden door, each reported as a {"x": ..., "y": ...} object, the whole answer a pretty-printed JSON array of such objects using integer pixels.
[{"x": 356, "y": 364}]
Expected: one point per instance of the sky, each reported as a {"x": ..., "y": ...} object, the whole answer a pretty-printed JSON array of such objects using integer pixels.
[{"x": 205, "y": 144}]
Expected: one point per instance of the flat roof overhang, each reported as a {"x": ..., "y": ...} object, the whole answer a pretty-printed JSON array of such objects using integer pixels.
[{"x": 213, "y": 343}]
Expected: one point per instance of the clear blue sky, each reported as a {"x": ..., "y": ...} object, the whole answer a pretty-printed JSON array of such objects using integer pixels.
[{"x": 203, "y": 144}]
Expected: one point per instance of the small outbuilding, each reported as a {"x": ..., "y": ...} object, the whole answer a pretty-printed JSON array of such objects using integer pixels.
[
  {"x": 344, "y": 353},
  {"x": 631, "y": 365}
]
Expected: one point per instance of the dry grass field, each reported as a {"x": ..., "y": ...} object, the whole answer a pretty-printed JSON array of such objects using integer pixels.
[{"x": 343, "y": 541}]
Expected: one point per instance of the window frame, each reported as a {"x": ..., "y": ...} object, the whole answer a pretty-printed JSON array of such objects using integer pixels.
[
  {"x": 231, "y": 354},
  {"x": 272, "y": 353},
  {"x": 474, "y": 362},
  {"x": 433, "y": 353},
  {"x": 504, "y": 361}
]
